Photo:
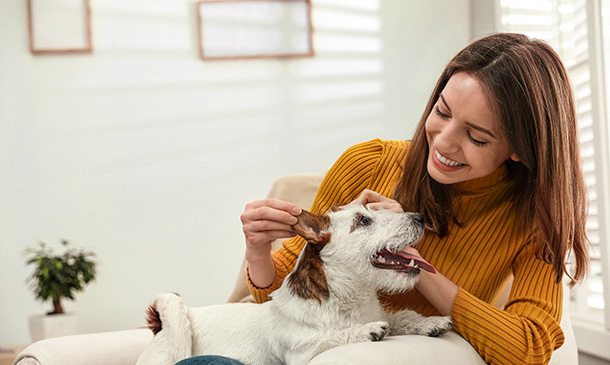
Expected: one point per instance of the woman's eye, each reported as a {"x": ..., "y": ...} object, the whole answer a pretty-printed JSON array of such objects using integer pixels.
[
  {"x": 476, "y": 141},
  {"x": 438, "y": 112}
]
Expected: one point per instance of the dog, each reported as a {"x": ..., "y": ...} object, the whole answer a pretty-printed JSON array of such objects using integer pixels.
[{"x": 329, "y": 299}]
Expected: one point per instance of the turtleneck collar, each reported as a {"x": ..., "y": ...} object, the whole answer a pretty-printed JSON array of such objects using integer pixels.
[{"x": 486, "y": 184}]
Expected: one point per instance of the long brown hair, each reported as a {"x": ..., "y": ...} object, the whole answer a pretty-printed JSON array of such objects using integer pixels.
[{"x": 529, "y": 91}]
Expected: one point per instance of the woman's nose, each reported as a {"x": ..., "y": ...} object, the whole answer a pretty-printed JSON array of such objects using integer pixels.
[{"x": 446, "y": 138}]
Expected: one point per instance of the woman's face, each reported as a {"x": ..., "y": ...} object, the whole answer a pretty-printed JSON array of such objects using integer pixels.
[{"x": 465, "y": 139}]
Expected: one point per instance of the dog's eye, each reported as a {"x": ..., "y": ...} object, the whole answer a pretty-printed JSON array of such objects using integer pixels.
[
  {"x": 360, "y": 220},
  {"x": 364, "y": 220}
]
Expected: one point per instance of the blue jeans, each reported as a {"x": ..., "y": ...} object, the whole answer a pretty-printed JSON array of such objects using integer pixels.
[{"x": 209, "y": 360}]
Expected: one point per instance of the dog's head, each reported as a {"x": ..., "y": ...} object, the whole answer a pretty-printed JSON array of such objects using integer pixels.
[{"x": 358, "y": 244}]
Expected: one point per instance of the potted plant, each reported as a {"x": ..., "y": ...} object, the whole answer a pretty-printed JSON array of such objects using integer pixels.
[{"x": 57, "y": 276}]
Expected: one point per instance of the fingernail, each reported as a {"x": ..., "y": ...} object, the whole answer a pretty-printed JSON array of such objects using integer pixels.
[
  {"x": 293, "y": 220},
  {"x": 296, "y": 210}
]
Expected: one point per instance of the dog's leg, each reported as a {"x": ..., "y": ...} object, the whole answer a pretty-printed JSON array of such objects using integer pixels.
[
  {"x": 374, "y": 331},
  {"x": 408, "y": 322}
]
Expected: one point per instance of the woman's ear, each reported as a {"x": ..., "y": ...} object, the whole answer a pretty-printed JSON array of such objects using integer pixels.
[{"x": 514, "y": 157}]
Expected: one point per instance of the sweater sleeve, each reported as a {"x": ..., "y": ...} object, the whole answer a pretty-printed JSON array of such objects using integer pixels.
[
  {"x": 527, "y": 331},
  {"x": 350, "y": 174}
]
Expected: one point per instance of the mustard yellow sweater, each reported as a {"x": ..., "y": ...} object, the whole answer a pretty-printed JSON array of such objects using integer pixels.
[{"x": 480, "y": 257}]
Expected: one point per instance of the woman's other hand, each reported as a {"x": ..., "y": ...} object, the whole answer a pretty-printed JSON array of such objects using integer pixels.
[{"x": 374, "y": 200}]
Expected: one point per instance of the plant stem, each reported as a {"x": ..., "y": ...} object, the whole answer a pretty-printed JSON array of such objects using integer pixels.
[{"x": 57, "y": 308}]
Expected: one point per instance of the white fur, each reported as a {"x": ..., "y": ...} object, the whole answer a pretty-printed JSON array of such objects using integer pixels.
[{"x": 290, "y": 329}]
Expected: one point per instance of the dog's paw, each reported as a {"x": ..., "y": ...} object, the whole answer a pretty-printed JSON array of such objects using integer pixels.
[
  {"x": 374, "y": 331},
  {"x": 436, "y": 326}
]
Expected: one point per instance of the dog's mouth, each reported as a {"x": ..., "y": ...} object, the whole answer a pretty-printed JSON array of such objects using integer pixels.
[{"x": 400, "y": 261}]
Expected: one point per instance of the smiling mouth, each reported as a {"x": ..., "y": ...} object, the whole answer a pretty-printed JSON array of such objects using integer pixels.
[{"x": 445, "y": 161}]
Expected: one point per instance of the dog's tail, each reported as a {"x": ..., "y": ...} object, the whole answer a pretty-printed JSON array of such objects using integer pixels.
[
  {"x": 168, "y": 319},
  {"x": 153, "y": 319}
]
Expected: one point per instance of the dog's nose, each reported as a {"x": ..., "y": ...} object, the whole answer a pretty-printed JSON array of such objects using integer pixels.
[{"x": 419, "y": 219}]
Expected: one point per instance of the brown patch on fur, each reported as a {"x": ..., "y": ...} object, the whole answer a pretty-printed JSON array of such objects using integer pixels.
[
  {"x": 355, "y": 224},
  {"x": 310, "y": 227},
  {"x": 308, "y": 280},
  {"x": 153, "y": 319}
]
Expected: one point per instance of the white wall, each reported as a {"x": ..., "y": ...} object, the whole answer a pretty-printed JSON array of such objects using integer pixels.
[{"x": 145, "y": 154}]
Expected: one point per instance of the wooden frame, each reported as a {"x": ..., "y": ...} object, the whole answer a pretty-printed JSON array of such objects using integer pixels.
[
  {"x": 243, "y": 29},
  {"x": 59, "y": 26}
]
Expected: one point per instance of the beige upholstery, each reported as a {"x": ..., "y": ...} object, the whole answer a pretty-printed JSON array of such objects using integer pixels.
[
  {"x": 297, "y": 189},
  {"x": 107, "y": 348},
  {"x": 124, "y": 347}
]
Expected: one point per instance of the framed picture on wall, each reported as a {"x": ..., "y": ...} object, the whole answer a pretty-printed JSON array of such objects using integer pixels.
[
  {"x": 239, "y": 29},
  {"x": 59, "y": 26}
]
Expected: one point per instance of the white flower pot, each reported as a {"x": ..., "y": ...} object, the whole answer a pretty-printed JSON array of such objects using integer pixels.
[{"x": 54, "y": 325}]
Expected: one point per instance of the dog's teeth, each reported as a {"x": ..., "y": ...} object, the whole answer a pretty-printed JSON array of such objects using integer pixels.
[
  {"x": 381, "y": 259},
  {"x": 410, "y": 263}
]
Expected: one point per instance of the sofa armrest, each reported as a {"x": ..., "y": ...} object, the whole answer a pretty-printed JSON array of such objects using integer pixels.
[{"x": 107, "y": 348}]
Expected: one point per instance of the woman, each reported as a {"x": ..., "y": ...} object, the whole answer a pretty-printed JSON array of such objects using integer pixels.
[{"x": 494, "y": 166}]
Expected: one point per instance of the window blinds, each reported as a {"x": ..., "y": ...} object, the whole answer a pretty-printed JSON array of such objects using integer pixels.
[{"x": 563, "y": 23}]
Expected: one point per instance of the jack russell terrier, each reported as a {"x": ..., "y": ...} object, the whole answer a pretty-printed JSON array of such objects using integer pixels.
[{"x": 330, "y": 298}]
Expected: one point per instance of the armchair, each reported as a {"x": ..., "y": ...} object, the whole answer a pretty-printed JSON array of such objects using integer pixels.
[{"x": 124, "y": 347}]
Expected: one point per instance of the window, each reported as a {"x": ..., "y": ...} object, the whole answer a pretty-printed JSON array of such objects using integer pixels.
[{"x": 574, "y": 29}]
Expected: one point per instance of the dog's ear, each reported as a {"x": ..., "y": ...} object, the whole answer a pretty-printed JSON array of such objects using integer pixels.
[
  {"x": 308, "y": 280},
  {"x": 311, "y": 226}
]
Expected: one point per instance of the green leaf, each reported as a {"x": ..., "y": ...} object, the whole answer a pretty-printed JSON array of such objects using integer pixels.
[{"x": 56, "y": 276}]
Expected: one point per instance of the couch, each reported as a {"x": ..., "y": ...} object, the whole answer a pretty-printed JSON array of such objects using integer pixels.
[{"x": 124, "y": 347}]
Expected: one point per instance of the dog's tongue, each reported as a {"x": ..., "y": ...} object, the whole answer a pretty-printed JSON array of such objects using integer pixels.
[{"x": 423, "y": 264}]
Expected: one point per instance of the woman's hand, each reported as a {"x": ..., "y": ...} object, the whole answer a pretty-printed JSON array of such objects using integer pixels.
[
  {"x": 374, "y": 200},
  {"x": 266, "y": 220},
  {"x": 263, "y": 222}
]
